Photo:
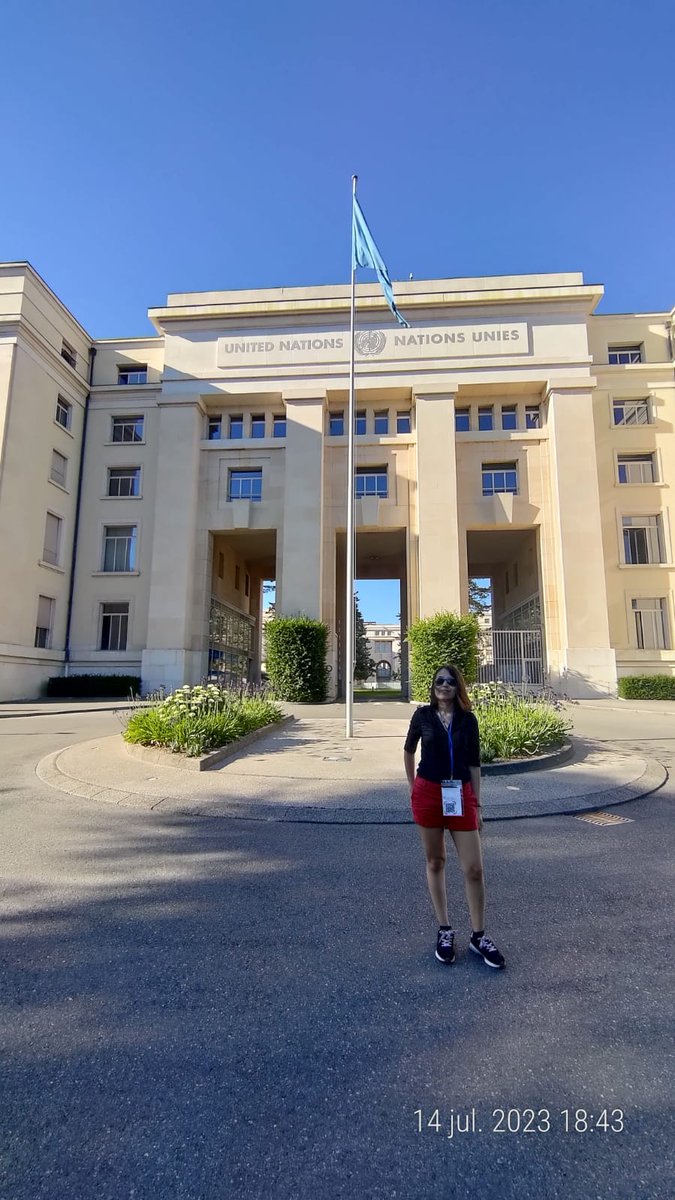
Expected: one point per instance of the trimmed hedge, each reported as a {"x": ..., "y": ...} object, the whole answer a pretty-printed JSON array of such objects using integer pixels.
[
  {"x": 443, "y": 638},
  {"x": 647, "y": 687},
  {"x": 99, "y": 686},
  {"x": 295, "y": 658}
]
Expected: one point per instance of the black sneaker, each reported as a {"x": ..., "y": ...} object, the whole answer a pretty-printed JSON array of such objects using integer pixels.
[
  {"x": 445, "y": 944},
  {"x": 487, "y": 950}
]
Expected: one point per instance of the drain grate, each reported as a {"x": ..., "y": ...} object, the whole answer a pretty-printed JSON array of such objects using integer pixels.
[{"x": 604, "y": 818}]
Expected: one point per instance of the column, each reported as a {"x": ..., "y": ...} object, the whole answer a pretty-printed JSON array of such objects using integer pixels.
[
  {"x": 255, "y": 609},
  {"x": 437, "y": 513},
  {"x": 300, "y": 546},
  {"x": 584, "y": 664},
  {"x": 174, "y": 653}
]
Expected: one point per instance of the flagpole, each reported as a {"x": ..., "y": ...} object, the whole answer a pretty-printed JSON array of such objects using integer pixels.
[{"x": 349, "y": 619}]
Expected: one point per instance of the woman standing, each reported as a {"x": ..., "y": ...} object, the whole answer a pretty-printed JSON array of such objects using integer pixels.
[{"x": 448, "y": 781}]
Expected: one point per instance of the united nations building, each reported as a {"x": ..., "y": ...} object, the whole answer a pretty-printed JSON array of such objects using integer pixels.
[{"x": 149, "y": 486}]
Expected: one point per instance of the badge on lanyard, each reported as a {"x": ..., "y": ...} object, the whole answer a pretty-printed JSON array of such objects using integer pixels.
[
  {"x": 451, "y": 789},
  {"x": 451, "y": 793}
]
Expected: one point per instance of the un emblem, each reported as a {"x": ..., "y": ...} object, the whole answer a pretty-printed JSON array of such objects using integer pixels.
[{"x": 370, "y": 342}]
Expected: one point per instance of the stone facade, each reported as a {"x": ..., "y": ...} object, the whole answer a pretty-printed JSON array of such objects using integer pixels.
[{"x": 511, "y": 433}]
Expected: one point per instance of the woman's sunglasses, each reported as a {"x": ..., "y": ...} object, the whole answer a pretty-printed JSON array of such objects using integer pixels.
[{"x": 445, "y": 679}]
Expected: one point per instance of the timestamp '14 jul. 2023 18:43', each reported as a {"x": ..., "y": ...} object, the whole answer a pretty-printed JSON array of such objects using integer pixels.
[{"x": 519, "y": 1120}]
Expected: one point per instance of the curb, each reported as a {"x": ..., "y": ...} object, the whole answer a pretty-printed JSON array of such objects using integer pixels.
[
  {"x": 652, "y": 779},
  {"x": 67, "y": 712},
  {"x": 520, "y": 766}
]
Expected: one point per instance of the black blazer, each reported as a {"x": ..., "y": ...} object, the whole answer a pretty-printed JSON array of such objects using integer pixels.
[{"x": 434, "y": 765}]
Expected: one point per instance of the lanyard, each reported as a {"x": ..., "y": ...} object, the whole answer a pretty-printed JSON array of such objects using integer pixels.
[
  {"x": 452, "y": 753},
  {"x": 450, "y": 746}
]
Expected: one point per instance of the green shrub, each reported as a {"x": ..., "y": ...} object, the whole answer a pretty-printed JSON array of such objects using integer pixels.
[
  {"x": 295, "y": 658},
  {"x": 512, "y": 726},
  {"x": 195, "y": 720},
  {"x": 647, "y": 687},
  {"x": 443, "y": 638},
  {"x": 100, "y": 686}
]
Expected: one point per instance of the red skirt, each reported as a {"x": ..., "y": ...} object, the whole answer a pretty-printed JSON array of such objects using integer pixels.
[{"x": 427, "y": 807}]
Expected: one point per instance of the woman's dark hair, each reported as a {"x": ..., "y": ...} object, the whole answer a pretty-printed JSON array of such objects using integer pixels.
[{"x": 462, "y": 696}]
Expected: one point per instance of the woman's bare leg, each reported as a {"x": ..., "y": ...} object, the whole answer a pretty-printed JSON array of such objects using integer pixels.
[
  {"x": 433, "y": 841},
  {"x": 469, "y": 852}
]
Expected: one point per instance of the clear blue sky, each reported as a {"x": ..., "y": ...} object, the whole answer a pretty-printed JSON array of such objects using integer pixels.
[{"x": 156, "y": 147}]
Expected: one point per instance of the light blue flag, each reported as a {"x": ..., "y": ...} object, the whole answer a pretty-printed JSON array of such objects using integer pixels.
[{"x": 366, "y": 254}]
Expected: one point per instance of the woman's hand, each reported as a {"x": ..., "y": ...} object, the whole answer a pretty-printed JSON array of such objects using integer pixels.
[
  {"x": 475, "y": 784},
  {"x": 409, "y": 768}
]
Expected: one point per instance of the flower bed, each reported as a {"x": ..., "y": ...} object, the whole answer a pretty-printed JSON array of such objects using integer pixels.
[
  {"x": 516, "y": 726},
  {"x": 194, "y": 720}
]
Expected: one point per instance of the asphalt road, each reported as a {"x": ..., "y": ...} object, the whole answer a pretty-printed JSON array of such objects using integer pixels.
[{"x": 206, "y": 1009}]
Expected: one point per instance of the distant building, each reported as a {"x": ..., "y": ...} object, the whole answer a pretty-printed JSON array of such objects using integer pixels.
[
  {"x": 148, "y": 486},
  {"x": 384, "y": 647}
]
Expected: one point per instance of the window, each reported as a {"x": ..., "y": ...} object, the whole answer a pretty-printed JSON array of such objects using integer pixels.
[
  {"x": 532, "y": 416},
  {"x": 515, "y": 574},
  {"x": 247, "y": 584},
  {"x": 624, "y": 355},
  {"x": 119, "y": 548},
  {"x": 258, "y": 425},
  {"x": 132, "y": 375},
  {"x": 403, "y": 422},
  {"x": 245, "y": 485},
  {"x": 221, "y": 565},
  {"x": 52, "y": 545},
  {"x": 631, "y": 412},
  {"x": 124, "y": 481},
  {"x": 360, "y": 421},
  {"x": 382, "y": 422},
  {"x": 127, "y": 429},
  {"x": 462, "y": 420},
  {"x": 336, "y": 424},
  {"x": 236, "y": 428},
  {"x": 651, "y": 626},
  {"x": 636, "y": 468},
  {"x": 64, "y": 412},
  {"x": 279, "y": 426},
  {"x": 370, "y": 481},
  {"x": 485, "y": 418},
  {"x": 215, "y": 431},
  {"x": 509, "y": 417},
  {"x": 114, "y": 626},
  {"x": 68, "y": 353},
  {"x": 643, "y": 539},
  {"x": 58, "y": 469},
  {"x": 44, "y": 623},
  {"x": 237, "y": 580},
  {"x": 506, "y": 583},
  {"x": 500, "y": 477}
]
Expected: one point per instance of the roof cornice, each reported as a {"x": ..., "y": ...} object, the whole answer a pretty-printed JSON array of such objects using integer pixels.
[{"x": 410, "y": 297}]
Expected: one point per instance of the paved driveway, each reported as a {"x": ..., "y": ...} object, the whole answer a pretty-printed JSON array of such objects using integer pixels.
[{"x": 223, "y": 1008}]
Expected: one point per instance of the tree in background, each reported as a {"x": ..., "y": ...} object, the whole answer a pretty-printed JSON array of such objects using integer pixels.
[
  {"x": 363, "y": 663},
  {"x": 480, "y": 598}
]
